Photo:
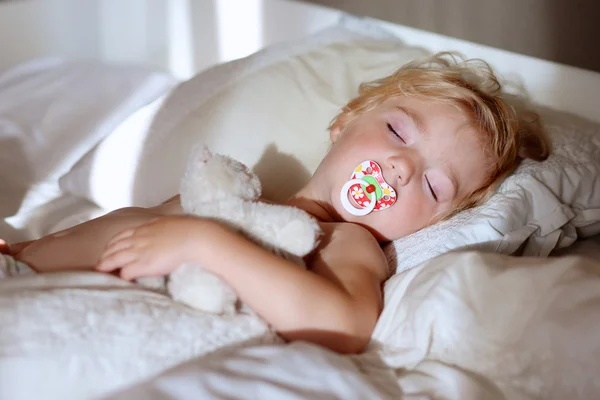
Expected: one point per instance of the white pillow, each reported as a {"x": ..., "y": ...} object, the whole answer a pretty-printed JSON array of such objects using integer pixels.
[
  {"x": 52, "y": 112},
  {"x": 141, "y": 162},
  {"x": 274, "y": 119},
  {"x": 57, "y": 110}
]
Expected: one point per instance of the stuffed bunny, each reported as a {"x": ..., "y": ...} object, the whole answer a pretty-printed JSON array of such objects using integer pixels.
[{"x": 220, "y": 188}]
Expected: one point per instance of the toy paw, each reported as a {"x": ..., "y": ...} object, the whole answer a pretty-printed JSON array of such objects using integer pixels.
[
  {"x": 195, "y": 287},
  {"x": 299, "y": 237},
  {"x": 153, "y": 282},
  {"x": 297, "y": 232}
]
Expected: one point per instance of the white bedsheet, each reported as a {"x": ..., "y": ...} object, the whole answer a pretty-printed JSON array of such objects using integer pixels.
[
  {"x": 79, "y": 335},
  {"x": 296, "y": 371},
  {"x": 462, "y": 326},
  {"x": 305, "y": 371}
]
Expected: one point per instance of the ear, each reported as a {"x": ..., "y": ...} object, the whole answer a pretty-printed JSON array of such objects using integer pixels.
[
  {"x": 203, "y": 154},
  {"x": 337, "y": 127},
  {"x": 334, "y": 132}
]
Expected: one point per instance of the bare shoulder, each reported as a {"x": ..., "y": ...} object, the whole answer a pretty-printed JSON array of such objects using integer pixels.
[
  {"x": 350, "y": 258},
  {"x": 349, "y": 249}
]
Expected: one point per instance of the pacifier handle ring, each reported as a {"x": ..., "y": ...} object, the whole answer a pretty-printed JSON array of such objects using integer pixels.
[{"x": 359, "y": 212}]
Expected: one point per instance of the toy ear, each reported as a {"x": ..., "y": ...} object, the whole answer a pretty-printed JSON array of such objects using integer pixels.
[{"x": 201, "y": 154}]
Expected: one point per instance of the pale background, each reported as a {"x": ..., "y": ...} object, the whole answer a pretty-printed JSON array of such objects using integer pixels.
[
  {"x": 184, "y": 37},
  {"x": 181, "y": 36}
]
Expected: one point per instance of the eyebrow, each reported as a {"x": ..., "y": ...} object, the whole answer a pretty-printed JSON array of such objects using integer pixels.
[{"x": 416, "y": 118}]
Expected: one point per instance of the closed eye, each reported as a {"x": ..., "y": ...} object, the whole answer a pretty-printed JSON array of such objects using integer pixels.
[
  {"x": 431, "y": 189},
  {"x": 391, "y": 129}
]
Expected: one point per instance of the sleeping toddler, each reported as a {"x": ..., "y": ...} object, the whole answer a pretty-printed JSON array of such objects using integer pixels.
[{"x": 414, "y": 148}]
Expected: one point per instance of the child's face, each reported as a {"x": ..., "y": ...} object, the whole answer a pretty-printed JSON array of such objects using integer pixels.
[{"x": 427, "y": 152}]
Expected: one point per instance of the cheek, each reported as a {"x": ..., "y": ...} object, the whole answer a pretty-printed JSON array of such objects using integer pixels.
[
  {"x": 410, "y": 213},
  {"x": 346, "y": 156}
]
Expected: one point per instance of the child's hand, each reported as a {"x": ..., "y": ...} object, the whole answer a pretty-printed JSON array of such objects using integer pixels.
[
  {"x": 153, "y": 249},
  {"x": 4, "y": 249}
]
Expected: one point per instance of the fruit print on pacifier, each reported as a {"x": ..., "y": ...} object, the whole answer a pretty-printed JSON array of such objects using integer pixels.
[{"x": 367, "y": 190}]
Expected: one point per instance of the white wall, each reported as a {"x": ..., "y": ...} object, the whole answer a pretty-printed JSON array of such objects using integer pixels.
[
  {"x": 31, "y": 29},
  {"x": 181, "y": 36}
]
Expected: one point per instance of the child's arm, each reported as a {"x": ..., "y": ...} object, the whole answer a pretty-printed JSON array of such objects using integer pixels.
[
  {"x": 80, "y": 247},
  {"x": 336, "y": 307}
]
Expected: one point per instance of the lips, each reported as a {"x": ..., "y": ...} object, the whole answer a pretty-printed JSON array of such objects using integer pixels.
[{"x": 373, "y": 184}]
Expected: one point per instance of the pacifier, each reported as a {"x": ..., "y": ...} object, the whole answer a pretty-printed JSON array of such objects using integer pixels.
[{"x": 367, "y": 190}]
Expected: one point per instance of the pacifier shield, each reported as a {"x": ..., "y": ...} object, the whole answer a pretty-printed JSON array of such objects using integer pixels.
[{"x": 368, "y": 189}]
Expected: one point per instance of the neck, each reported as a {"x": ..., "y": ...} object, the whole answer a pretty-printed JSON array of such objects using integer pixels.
[{"x": 321, "y": 210}]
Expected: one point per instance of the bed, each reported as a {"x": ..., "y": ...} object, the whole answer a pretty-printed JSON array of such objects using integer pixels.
[{"x": 464, "y": 317}]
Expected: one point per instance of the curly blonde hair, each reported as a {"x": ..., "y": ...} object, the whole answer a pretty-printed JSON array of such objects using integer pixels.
[{"x": 510, "y": 131}]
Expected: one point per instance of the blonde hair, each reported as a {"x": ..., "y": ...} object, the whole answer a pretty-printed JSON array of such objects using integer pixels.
[{"x": 510, "y": 131}]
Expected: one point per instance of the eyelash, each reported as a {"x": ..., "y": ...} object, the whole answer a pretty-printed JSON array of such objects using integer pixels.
[
  {"x": 391, "y": 129},
  {"x": 431, "y": 189}
]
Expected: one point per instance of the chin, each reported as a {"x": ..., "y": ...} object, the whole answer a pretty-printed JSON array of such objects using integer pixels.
[
  {"x": 368, "y": 224},
  {"x": 381, "y": 238},
  {"x": 382, "y": 225}
]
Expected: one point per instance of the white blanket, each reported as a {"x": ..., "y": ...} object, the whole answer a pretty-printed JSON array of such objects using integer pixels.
[
  {"x": 80, "y": 335},
  {"x": 530, "y": 325},
  {"x": 463, "y": 326},
  {"x": 52, "y": 112}
]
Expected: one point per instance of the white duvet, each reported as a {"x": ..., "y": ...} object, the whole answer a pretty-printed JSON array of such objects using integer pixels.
[
  {"x": 463, "y": 326},
  {"x": 529, "y": 325},
  {"x": 79, "y": 335}
]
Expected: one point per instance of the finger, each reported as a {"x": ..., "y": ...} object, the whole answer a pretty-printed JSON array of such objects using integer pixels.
[
  {"x": 136, "y": 270},
  {"x": 123, "y": 244},
  {"x": 149, "y": 228},
  {"x": 153, "y": 221},
  {"x": 117, "y": 260},
  {"x": 4, "y": 247},
  {"x": 127, "y": 233}
]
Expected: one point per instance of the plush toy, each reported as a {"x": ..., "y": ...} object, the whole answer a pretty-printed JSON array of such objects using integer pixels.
[{"x": 220, "y": 188}]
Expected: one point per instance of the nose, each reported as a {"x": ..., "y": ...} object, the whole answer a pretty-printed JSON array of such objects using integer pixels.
[{"x": 403, "y": 168}]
